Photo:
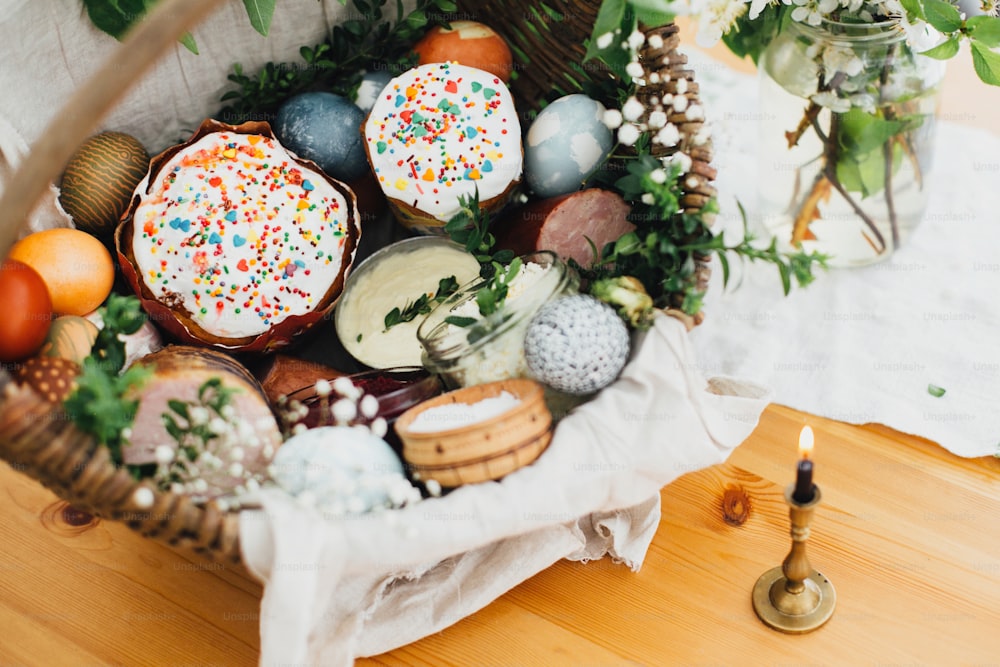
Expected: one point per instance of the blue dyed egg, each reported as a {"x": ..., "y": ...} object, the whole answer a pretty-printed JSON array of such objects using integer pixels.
[
  {"x": 567, "y": 141},
  {"x": 371, "y": 85},
  {"x": 326, "y": 129}
]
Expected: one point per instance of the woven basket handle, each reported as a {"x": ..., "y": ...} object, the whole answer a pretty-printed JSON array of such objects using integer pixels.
[{"x": 164, "y": 25}]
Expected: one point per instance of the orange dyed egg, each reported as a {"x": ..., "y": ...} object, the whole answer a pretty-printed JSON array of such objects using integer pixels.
[
  {"x": 75, "y": 266},
  {"x": 467, "y": 43}
]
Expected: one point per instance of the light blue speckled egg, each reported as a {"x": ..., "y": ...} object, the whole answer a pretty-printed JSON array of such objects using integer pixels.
[
  {"x": 565, "y": 144},
  {"x": 343, "y": 469},
  {"x": 326, "y": 129},
  {"x": 371, "y": 85}
]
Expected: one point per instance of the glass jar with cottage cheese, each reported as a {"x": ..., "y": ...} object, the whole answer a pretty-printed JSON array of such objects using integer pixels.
[{"x": 492, "y": 348}]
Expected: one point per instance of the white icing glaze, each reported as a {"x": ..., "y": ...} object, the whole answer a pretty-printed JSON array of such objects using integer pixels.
[
  {"x": 440, "y": 131},
  {"x": 239, "y": 234}
]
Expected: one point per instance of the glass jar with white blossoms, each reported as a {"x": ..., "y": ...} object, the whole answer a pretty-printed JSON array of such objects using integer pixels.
[
  {"x": 849, "y": 90},
  {"x": 846, "y": 137}
]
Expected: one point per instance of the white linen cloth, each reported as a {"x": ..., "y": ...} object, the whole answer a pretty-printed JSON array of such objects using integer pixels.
[
  {"x": 863, "y": 345},
  {"x": 337, "y": 589}
]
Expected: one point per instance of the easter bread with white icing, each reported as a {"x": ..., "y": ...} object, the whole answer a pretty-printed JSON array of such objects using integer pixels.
[
  {"x": 231, "y": 241},
  {"x": 441, "y": 131}
]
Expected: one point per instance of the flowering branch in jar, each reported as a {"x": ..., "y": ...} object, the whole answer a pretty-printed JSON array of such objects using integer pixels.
[{"x": 859, "y": 147}]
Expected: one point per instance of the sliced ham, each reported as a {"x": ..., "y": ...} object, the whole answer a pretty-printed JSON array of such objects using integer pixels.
[
  {"x": 179, "y": 371},
  {"x": 563, "y": 224}
]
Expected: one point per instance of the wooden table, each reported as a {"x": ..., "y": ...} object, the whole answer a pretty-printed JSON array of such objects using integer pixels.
[{"x": 906, "y": 533}]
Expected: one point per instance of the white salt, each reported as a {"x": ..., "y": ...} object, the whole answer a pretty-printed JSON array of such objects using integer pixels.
[{"x": 456, "y": 415}]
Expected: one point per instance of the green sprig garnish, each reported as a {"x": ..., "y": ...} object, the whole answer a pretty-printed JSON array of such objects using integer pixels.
[
  {"x": 470, "y": 228},
  {"x": 422, "y": 304},
  {"x": 103, "y": 403},
  {"x": 492, "y": 294}
]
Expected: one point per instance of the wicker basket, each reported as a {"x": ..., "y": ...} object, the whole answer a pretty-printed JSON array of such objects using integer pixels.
[{"x": 35, "y": 437}]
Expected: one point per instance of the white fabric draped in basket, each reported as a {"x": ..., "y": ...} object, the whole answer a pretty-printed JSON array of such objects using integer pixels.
[{"x": 336, "y": 589}]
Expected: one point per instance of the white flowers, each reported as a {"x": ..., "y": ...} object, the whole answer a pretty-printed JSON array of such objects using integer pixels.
[
  {"x": 812, "y": 11},
  {"x": 207, "y": 457},
  {"x": 832, "y": 101},
  {"x": 717, "y": 17},
  {"x": 837, "y": 104},
  {"x": 837, "y": 58}
]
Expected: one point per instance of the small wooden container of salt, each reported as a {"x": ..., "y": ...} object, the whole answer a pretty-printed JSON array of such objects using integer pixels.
[{"x": 476, "y": 434}]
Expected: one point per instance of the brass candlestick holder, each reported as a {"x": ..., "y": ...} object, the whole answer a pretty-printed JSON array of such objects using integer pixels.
[{"x": 795, "y": 598}]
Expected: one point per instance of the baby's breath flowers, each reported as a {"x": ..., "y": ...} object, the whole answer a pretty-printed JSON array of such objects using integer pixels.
[
  {"x": 209, "y": 454},
  {"x": 326, "y": 403},
  {"x": 335, "y": 460}
]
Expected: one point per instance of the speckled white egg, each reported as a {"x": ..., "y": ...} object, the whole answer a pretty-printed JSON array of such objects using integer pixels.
[
  {"x": 342, "y": 470},
  {"x": 576, "y": 344},
  {"x": 567, "y": 141}
]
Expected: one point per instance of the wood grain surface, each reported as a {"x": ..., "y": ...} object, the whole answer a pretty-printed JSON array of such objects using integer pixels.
[{"x": 906, "y": 533}]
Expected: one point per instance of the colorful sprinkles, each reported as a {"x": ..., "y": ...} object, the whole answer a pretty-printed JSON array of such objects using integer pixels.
[
  {"x": 239, "y": 234},
  {"x": 444, "y": 130}
]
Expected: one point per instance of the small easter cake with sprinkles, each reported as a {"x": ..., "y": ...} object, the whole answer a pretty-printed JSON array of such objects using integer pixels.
[
  {"x": 438, "y": 132},
  {"x": 233, "y": 242}
]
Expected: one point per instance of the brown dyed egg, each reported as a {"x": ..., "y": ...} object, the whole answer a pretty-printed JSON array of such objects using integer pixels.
[
  {"x": 99, "y": 180},
  {"x": 52, "y": 379},
  {"x": 467, "y": 43}
]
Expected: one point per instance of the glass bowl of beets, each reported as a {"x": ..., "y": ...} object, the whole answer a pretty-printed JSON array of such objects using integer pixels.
[{"x": 397, "y": 390}]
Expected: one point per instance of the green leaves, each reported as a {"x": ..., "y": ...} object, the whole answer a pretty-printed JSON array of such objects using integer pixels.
[
  {"x": 863, "y": 137},
  {"x": 102, "y": 404},
  {"x": 470, "y": 228},
  {"x": 115, "y": 17},
  {"x": 616, "y": 20},
  {"x": 750, "y": 39},
  {"x": 986, "y": 63},
  {"x": 492, "y": 295},
  {"x": 260, "y": 13},
  {"x": 614, "y": 23},
  {"x": 653, "y": 13},
  {"x": 862, "y": 132},
  {"x": 943, "y": 51},
  {"x": 914, "y": 9},
  {"x": 942, "y": 15},
  {"x": 984, "y": 29},
  {"x": 459, "y": 321}
]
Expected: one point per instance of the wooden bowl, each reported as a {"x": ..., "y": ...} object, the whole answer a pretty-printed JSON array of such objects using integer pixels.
[{"x": 484, "y": 450}]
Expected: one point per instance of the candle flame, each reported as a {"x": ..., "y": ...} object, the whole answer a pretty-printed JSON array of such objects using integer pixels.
[{"x": 806, "y": 442}]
